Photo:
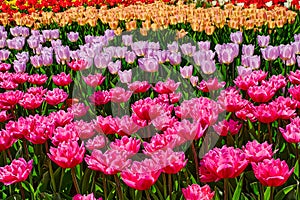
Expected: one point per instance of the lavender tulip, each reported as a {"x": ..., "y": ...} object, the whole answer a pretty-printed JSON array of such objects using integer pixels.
[
  {"x": 248, "y": 50},
  {"x": 56, "y": 43},
  {"x": 62, "y": 54},
  {"x": 244, "y": 61},
  {"x": 46, "y": 34},
  {"x": 243, "y": 71},
  {"x": 38, "y": 50},
  {"x": 298, "y": 61},
  {"x": 120, "y": 52},
  {"x": 291, "y": 61},
  {"x": 101, "y": 60},
  {"x": 296, "y": 47},
  {"x": 3, "y": 34},
  {"x": 139, "y": 48},
  {"x": 199, "y": 56},
  {"x": 100, "y": 40},
  {"x": 88, "y": 39},
  {"x": 161, "y": 56},
  {"x": 153, "y": 45},
  {"x": 188, "y": 49},
  {"x": 47, "y": 50},
  {"x": 125, "y": 76},
  {"x": 54, "y": 34},
  {"x": 270, "y": 53},
  {"x": 33, "y": 42},
  {"x": 254, "y": 62},
  {"x": 148, "y": 64},
  {"x": 175, "y": 58},
  {"x": 74, "y": 55},
  {"x": 24, "y": 32},
  {"x": 19, "y": 66},
  {"x": 114, "y": 67},
  {"x": 194, "y": 80},
  {"x": 73, "y": 36},
  {"x": 109, "y": 34},
  {"x": 35, "y": 33},
  {"x": 15, "y": 31},
  {"x": 4, "y": 54},
  {"x": 36, "y": 61},
  {"x": 2, "y": 43},
  {"x": 236, "y": 37},
  {"x": 297, "y": 37},
  {"x": 204, "y": 45},
  {"x": 130, "y": 57},
  {"x": 208, "y": 67},
  {"x": 226, "y": 56},
  {"x": 47, "y": 59},
  {"x": 173, "y": 47},
  {"x": 127, "y": 40},
  {"x": 286, "y": 51},
  {"x": 186, "y": 71},
  {"x": 23, "y": 57},
  {"x": 263, "y": 40}
]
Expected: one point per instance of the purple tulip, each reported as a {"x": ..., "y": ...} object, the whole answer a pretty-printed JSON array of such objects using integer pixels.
[
  {"x": 100, "y": 40},
  {"x": 56, "y": 43},
  {"x": 243, "y": 71},
  {"x": 226, "y": 56},
  {"x": 127, "y": 40},
  {"x": 54, "y": 34},
  {"x": 88, "y": 39},
  {"x": 248, "y": 50},
  {"x": 38, "y": 50},
  {"x": 296, "y": 47},
  {"x": 186, "y": 71},
  {"x": 188, "y": 49},
  {"x": 73, "y": 36},
  {"x": 199, "y": 56},
  {"x": 62, "y": 54},
  {"x": 74, "y": 54},
  {"x": 204, "y": 45},
  {"x": 286, "y": 51},
  {"x": 175, "y": 58},
  {"x": 208, "y": 66},
  {"x": 2, "y": 43},
  {"x": 47, "y": 50},
  {"x": 47, "y": 59},
  {"x": 114, "y": 67},
  {"x": 46, "y": 34},
  {"x": 236, "y": 37},
  {"x": 2, "y": 28},
  {"x": 23, "y": 57},
  {"x": 244, "y": 61},
  {"x": 298, "y": 61},
  {"x": 24, "y": 32},
  {"x": 153, "y": 45},
  {"x": 270, "y": 53},
  {"x": 291, "y": 61},
  {"x": 130, "y": 57},
  {"x": 254, "y": 62},
  {"x": 173, "y": 47},
  {"x": 15, "y": 31},
  {"x": 16, "y": 43},
  {"x": 3, "y": 34},
  {"x": 36, "y": 61},
  {"x": 148, "y": 64},
  {"x": 120, "y": 52},
  {"x": 4, "y": 54},
  {"x": 125, "y": 76},
  {"x": 297, "y": 37},
  {"x": 35, "y": 33},
  {"x": 33, "y": 42},
  {"x": 101, "y": 60},
  {"x": 263, "y": 40},
  {"x": 109, "y": 34},
  {"x": 139, "y": 48},
  {"x": 19, "y": 66},
  {"x": 161, "y": 56}
]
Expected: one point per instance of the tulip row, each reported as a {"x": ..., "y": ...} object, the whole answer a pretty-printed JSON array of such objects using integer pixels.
[{"x": 65, "y": 101}]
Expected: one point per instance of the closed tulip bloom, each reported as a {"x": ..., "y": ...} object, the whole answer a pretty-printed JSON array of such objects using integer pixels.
[
  {"x": 272, "y": 172},
  {"x": 256, "y": 152},
  {"x": 188, "y": 49},
  {"x": 186, "y": 71},
  {"x": 85, "y": 197},
  {"x": 291, "y": 133},
  {"x": 148, "y": 64},
  {"x": 226, "y": 56},
  {"x": 101, "y": 60},
  {"x": 36, "y": 61},
  {"x": 194, "y": 80},
  {"x": 17, "y": 171},
  {"x": 19, "y": 66},
  {"x": 130, "y": 57},
  {"x": 248, "y": 50},
  {"x": 208, "y": 66},
  {"x": 62, "y": 79},
  {"x": 204, "y": 45},
  {"x": 196, "y": 192},
  {"x": 127, "y": 40},
  {"x": 170, "y": 162},
  {"x": 254, "y": 62},
  {"x": 141, "y": 175},
  {"x": 263, "y": 41},
  {"x": 236, "y": 37},
  {"x": 169, "y": 86},
  {"x": 119, "y": 95},
  {"x": 62, "y": 54},
  {"x": 4, "y": 54},
  {"x": 73, "y": 36},
  {"x": 286, "y": 52},
  {"x": 111, "y": 162},
  {"x": 243, "y": 71},
  {"x": 270, "y": 53},
  {"x": 125, "y": 76},
  {"x": 296, "y": 47},
  {"x": 175, "y": 58},
  {"x": 226, "y": 162},
  {"x": 68, "y": 154},
  {"x": 173, "y": 47},
  {"x": 114, "y": 67}
]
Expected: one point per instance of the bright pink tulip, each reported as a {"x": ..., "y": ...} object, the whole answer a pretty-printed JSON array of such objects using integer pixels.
[
  {"x": 256, "y": 152},
  {"x": 231, "y": 100},
  {"x": 226, "y": 162},
  {"x": 294, "y": 77},
  {"x": 61, "y": 117},
  {"x": 194, "y": 80},
  {"x": 291, "y": 133},
  {"x": 100, "y": 97},
  {"x": 276, "y": 82},
  {"x": 6, "y": 140},
  {"x": 8, "y": 85},
  {"x": 63, "y": 134},
  {"x": 163, "y": 122},
  {"x": 210, "y": 85},
  {"x": 286, "y": 107},
  {"x": 159, "y": 142},
  {"x": 62, "y": 79},
  {"x": 84, "y": 129},
  {"x": 37, "y": 79},
  {"x": 266, "y": 113},
  {"x": 170, "y": 162},
  {"x": 130, "y": 145},
  {"x": 195, "y": 192},
  {"x": 77, "y": 65},
  {"x": 139, "y": 87},
  {"x": 5, "y": 66},
  {"x": 111, "y": 162},
  {"x": 4, "y": 116},
  {"x": 169, "y": 98},
  {"x": 78, "y": 110},
  {"x": 108, "y": 125},
  {"x": 119, "y": 95},
  {"x": 30, "y": 101},
  {"x": 94, "y": 80},
  {"x": 166, "y": 87},
  {"x": 126, "y": 125},
  {"x": 37, "y": 90},
  {"x": 85, "y": 197},
  {"x": 272, "y": 172},
  {"x": 98, "y": 142},
  {"x": 20, "y": 78},
  {"x": 261, "y": 93},
  {"x": 141, "y": 175},
  {"x": 17, "y": 171},
  {"x": 55, "y": 96},
  {"x": 295, "y": 92},
  {"x": 223, "y": 127},
  {"x": 67, "y": 154},
  {"x": 246, "y": 113}
]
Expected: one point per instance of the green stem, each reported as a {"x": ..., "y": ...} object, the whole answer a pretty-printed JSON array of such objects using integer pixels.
[
  {"x": 261, "y": 191},
  {"x": 22, "y": 191},
  {"x": 170, "y": 185},
  {"x": 270, "y": 133},
  {"x": 104, "y": 186},
  {"x": 61, "y": 179},
  {"x": 225, "y": 189},
  {"x": 50, "y": 169},
  {"x": 73, "y": 173},
  {"x": 119, "y": 189},
  {"x": 195, "y": 160},
  {"x": 272, "y": 193},
  {"x": 165, "y": 185},
  {"x": 147, "y": 195}
]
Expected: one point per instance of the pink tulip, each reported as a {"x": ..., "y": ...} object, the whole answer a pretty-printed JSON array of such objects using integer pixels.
[
  {"x": 148, "y": 64},
  {"x": 6, "y": 140},
  {"x": 85, "y": 197},
  {"x": 10, "y": 98},
  {"x": 130, "y": 145},
  {"x": 62, "y": 79},
  {"x": 55, "y": 96},
  {"x": 141, "y": 175},
  {"x": 195, "y": 192},
  {"x": 67, "y": 154},
  {"x": 111, "y": 162},
  {"x": 266, "y": 113},
  {"x": 256, "y": 152},
  {"x": 159, "y": 142},
  {"x": 246, "y": 113},
  {"x": 291, "y": 133},
  {"x": 100, "y": 97},
  {"x": 261, "y": 93},
  {"x": 272, "y": 172},
  {"x": 17, "y": 171},
  {"x": 94, "y": 80},
  {"x": 64, "y": 134},
  {"x": 139, "y": 87},
  {"x": 98, "y": 142},
  {"x": 186, "y": 71},
  {"x": 78, "y": 109},
  {"x": 77, "y": 65},
  {"x": 295, "y": 92},
  {"x": 286, "y": 107},
  {"x": 226, "y": 162},
  {"x": 125, "y": 76},
  {"x": 84, "y": 129},
  {"x": 126, "y": 125},
  {"x": 114, "y": 67},
  {"x": 30, "y": 101},
  {"x": 37, "y": 79},
  {"x": 223, "y": 127},
  {"x": 294, "y": 77},
  {"x": 166, "y": 87},
  {"x": 108, "y": 125},
  {"x": 231, "y": 100},
  {"x": 61, "y": 117},
  {"x": 194, "y": 80},
  {"x": 210, "y": 85},
  {"x": 119, "y": 95}
]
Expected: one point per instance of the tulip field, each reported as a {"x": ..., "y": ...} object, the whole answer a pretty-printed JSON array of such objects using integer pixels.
[{"x": 149, "y": 99}]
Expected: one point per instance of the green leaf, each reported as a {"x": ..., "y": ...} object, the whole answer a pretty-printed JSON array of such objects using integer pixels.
[
  {"x": 267, "y": 193},
  {"x": 282, "y": 193},
  {"x": 296, "y": 169},
  {"x": 238, "y": 189}
]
